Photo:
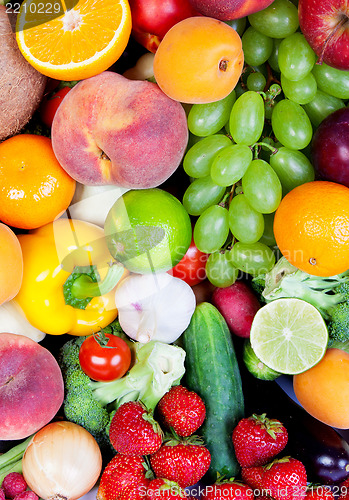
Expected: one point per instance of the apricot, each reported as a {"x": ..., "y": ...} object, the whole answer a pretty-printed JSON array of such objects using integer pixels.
[
  {"x": 323, "y": 390},
  {"x": 11, "y": 264},
  {"x": 199, "y": 60}
]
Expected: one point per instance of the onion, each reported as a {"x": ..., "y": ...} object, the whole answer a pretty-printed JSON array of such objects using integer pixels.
[{"x": 62, "y": 462}]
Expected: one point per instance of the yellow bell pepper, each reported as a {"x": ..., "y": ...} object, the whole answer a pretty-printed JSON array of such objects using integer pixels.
[{"x": 51, "y": 254}]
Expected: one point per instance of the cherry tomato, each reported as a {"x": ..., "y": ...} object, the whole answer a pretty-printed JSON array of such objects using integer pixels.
[
  {"x": 191, "y": 268},
  {"x": 50, "y": 105},
  {"x": 104, "y": 357}
]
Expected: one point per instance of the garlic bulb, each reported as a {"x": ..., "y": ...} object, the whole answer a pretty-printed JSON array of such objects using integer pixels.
[{"x": 154, "y": 306}]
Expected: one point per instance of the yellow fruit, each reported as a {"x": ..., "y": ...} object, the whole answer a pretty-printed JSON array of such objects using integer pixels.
[{"x": 73, "y": 42}]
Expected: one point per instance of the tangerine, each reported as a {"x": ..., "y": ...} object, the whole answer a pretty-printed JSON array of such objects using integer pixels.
[
  {"x": 11, "y": 264},
  {"x": 199, "y": 60},
  {"x": 34, "y": 188},
  {"x": 311, "y": 228}
]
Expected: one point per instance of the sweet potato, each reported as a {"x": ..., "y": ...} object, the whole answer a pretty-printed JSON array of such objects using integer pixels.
[{"x": 21, "y": 86}]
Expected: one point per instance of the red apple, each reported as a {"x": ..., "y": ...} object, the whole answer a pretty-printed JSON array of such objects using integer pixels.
[
  {"x": 226, "y": 10},
  {"x": 330, "y": 148},
  {"x": 151, "y": 19},
  {"x": 325, "y": 25}
]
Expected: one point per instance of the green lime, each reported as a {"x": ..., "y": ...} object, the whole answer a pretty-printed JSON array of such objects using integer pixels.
[
  {"x": 148, "y": 230},
  {"x": 289, "y": 335}
]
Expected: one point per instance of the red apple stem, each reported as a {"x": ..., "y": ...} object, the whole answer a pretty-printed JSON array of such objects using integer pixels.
[{"x": 340, "y": 24}]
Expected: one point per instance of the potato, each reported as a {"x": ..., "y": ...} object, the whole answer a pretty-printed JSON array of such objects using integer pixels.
[{"x": 21, "y": 86}]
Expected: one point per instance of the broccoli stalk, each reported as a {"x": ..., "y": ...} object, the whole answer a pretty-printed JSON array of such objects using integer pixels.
[
  {"x": 330, "y": 295},
  {"x": 11, "y": 461},
  {"x": 91, "y": 404}
]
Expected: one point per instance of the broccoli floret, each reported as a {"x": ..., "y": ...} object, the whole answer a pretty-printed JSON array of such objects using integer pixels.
[
  {"x": 91, "y": 404},
  {"x": 69, "y": 353},
  {"x": 338, "y": 323},
  {"x": 330, "y": 295}
]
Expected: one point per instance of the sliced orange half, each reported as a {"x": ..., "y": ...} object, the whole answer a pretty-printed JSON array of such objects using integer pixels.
[{"x": 73, "y": 39}]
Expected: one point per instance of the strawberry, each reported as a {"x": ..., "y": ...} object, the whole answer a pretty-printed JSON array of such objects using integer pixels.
[
  {"x": 253, "y": 476},
  {"x": 123, "y": 473},
  {"x": 343, "y": 490},
  {"x": 184, "y": 462},
  {"x": 230, "y": 490},
  {"x": 285, "y": 479},
  {"x": 319, "y": 493},
  {"x": 181, "y": 409},
  {"x": 257, "y": 439},
  {"x": 163, "y": 488},
  {"x": 133, "y": 430}
]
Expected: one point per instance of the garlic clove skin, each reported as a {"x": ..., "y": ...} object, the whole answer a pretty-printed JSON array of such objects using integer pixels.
[{"x": 154, "y": 306}]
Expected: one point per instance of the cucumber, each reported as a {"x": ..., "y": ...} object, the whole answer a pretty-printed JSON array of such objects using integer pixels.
[{"x": 213, "y": 372}]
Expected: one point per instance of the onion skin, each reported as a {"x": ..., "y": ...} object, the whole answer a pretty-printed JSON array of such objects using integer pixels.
[{"x": 62, "y": 461}]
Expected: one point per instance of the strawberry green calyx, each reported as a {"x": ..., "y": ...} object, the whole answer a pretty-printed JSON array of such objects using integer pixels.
[
  {"x": 272, "y": 426},
  {"x": 172, "y": 439},
  {"x": 148, "y": 416},
  {"x": 282, "y": 460}
]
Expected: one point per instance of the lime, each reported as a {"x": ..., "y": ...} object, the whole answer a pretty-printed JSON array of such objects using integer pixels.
[
  {"x": 148, "y": 230},
  {"x": 289, "y": 335}
]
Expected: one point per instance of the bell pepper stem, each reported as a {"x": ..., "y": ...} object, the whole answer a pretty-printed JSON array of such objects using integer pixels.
[{"x": 84, "y": 287}]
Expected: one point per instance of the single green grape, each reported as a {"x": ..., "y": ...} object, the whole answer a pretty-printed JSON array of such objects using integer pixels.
[
  {"x": 256, "y": 81},
  {"x": 239, "y": 25},
  {"x": 292, "y": 167},
  {"x": 208, "y": 119},
  {"x": 331, "y": 80},
  {"x": 246, "y": 224},
  {"x": 211, "y": 229},
  {"x": 296, "y": 58},
  {"x": 197, "y": 160},
  {"x": 262, "y": 187},
  {"x": 301, "y": 91},
  {"x": 321, "y": 106},
  {"x": 201, "y": 194},
  {"x": 278, "y": 20},
  {"x": 220, "y": 270},
  {"x": 230, "y": 164},
  {"x": 255, "y": 258},
  {"x": 268, "y": 237},
  {"x": 291, "y": 124},
  {"x": 256, "y": 46},
  {"x": 273, "y": 59},
  {"x": 247, "y": 118}
]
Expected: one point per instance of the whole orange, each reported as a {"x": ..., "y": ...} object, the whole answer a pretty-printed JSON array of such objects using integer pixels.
[
  {"x": 311, "y": 228},
  {"x": 199, "y": 60},
  {"x": 11, "y": 264},
  {"x": 34, "y": 188}
]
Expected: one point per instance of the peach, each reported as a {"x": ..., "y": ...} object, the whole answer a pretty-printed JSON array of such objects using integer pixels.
[
  {"x": 112, "y": 130},
  {"x": 31, "y": 386}
]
